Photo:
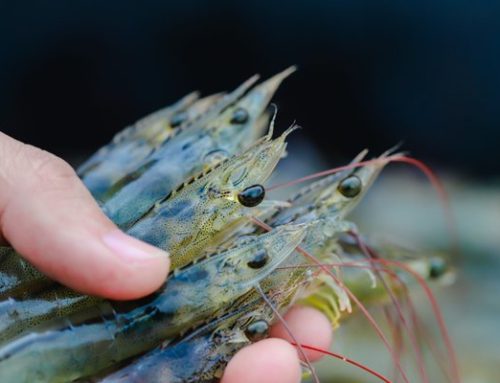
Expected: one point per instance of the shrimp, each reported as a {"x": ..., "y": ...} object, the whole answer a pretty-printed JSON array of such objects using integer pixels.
[
  {"x": 335, "y": 199},
  {"x": 125, "y": 156},
  {"x": 208, "y": 141},
  {"x": 135, "y": 143},
  {"x": 283, "y": 287},
  {"x": 322, "y": 295},
  {"x": 325, "y": 202},
  {"x": 205, "y": 348},
  {"x": 18, "y": 316},
  {"x": 201, "y": 356},
  {"x": 191, "y": 295},
  {"x": 338, "y": 207},
  {"x": 160, "y": 125},
  {"x": 201, "y": 212},
  {"x": 129, "y": 169},
  {"x": 133, "y": 132}
]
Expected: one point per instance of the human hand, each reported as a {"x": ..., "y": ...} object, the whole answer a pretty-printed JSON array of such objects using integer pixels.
[{"x": 48, "y": 215}]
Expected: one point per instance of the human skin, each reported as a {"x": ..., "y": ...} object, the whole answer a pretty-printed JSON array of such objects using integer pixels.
[{"x": 48, "y": 215}]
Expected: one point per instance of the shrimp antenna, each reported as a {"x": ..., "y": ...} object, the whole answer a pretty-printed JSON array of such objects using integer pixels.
[
  {"x": 346, "y": 359},
  {"x": 370, "y": 256},
  {"x": 430, "y": 296},
  {"x": 435, "y": 307},
  {"x": 361, "y": 265},
  {"x": 436, "y": 353},
  {"x": 443, "y": 195},
  {"x": 437, "y": 313},
  {"x": 289, "y": 331},
  {"x": 323, "y": 173},
  {"x": 363, "y": 309}
]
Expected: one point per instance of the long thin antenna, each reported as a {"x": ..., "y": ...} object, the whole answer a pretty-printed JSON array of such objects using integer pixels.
[
  {"x": 443, "y": 196},
  {"x": 419, "y": 279},
  {"x": 437, "y": 312},
  {"x": 289, "y": 331},
  {"x": 327, "y": 173},
  {"x": 363, "y": 310},
  {"x": 371, "y": 256},
  {"x": 346, "y": 359}
]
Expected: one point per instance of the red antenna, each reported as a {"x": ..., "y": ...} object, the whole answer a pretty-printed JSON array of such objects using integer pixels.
[{"x": 346, "y": 359}]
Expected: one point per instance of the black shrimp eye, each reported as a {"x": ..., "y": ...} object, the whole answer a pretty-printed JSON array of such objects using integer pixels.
[
  {"x": 252, "y": 195},
  {"x": 178, "y": 119},
  {"x": 350, "y": 187},
  {"x": 257, "y": 330},
  {"x": 240, "y": 116},
  {"x": 437, "y": 268},
  {"x": 259, "y": 260}
]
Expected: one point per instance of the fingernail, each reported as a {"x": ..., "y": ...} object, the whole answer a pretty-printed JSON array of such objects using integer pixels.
[{"x": 131, "y": 249}]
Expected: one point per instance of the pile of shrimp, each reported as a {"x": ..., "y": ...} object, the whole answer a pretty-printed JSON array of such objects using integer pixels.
[{"x": 190, "y": 179}]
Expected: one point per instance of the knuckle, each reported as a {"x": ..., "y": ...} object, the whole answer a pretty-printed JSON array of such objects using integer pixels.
[
  {"x": 46, "y": 165},
  {"x": 27, "y": 169},
  {"x": 52, "y": 179},
  {"x": 48, "y": 173}
]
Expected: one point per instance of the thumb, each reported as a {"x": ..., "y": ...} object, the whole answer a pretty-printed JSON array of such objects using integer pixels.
[{"x": 48, "y": 216}]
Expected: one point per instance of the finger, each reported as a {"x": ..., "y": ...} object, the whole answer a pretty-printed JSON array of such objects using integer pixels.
[
  {"x": 309, "y": 327},
  {"x": 267, "y": 361},
  {"x": 49, "y": 217}
]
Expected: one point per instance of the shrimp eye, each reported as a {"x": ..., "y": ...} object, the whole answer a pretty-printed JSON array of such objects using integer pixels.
[
  {"x": 252, "y": 195},
  {"x": 259, "y": 260},
  {"x": 350, "y": 187},
  {"x": 437, "y": 268},
  {"x": 240, "y": 116},
  {"x": 178, "y": 119},
  {"x": 257, "y": 330}
]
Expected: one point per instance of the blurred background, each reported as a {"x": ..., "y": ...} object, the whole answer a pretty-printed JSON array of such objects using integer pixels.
[{"x": 371, "y": 74}]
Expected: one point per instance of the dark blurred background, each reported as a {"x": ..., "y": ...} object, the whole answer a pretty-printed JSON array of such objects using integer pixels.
[{"x": 372, "y": 73}]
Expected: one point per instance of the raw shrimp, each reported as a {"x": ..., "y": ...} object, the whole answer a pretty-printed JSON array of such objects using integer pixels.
[
  {"x": 208, "y": 141},
  {"x": 191, "y": 295},
  {"x": 201, "y": 212}
]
